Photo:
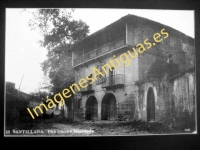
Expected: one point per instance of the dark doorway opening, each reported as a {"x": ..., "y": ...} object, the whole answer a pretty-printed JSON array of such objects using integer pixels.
[
  {"x": 112, "y": 76},
  {"x": 89, "y": 88},
  {"x": 91, "y": 108},
  {"x": 108, "y": 107},
  {"x": 150, "y": 105}
]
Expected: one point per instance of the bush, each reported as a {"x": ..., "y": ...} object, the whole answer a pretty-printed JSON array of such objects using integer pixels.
[
  {"x": 184, "y": 119},
  {"x": 178, "y": 119}
]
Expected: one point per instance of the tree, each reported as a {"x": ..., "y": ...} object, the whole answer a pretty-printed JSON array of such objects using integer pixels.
[
  {"x": 40, "y": 95},
  {"x": 60, "y": 31},
  {"x": 45, "y": 85}
]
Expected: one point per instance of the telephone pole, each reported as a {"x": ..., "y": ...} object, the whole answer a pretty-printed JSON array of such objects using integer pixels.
[{"x": 20, "y": 85}]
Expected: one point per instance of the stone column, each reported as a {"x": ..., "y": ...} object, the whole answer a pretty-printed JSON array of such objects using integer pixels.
[{"x": 99, "y": 111}]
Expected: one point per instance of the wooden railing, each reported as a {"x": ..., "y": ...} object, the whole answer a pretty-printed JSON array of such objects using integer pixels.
[
  {"x": 89, "y": 88},
  {"x": 114, "y": 80},
  {"x": 101, "y": 50}
]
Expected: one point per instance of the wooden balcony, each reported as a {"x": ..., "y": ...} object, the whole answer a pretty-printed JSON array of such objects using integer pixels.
[
  {"x": 87, "y": 90},
  {"x": 115, "y": 81},
  {"x": 115, "y": 45}
]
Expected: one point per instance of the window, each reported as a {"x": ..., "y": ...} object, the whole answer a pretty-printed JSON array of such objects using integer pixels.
[
  {"x": 184, "y": 47},
  {"x": 112, "y": 76},
  {"x": 89, "y": 88},
  {"x": 169, "y": 58},
  {"x": 101, "y": 79},
  {"x": 79, "y": 103}
]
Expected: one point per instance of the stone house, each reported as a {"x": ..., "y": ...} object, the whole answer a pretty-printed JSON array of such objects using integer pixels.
[
  {"x": 155, "y": 83},
  {"x": 17, "y": 103}
]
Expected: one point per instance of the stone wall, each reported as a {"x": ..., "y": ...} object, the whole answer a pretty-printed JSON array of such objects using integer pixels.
[
  {"x": 184, "y": 91},
  {"x": 175, "y": 99}
]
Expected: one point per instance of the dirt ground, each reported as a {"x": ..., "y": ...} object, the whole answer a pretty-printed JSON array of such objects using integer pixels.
[{"x": 89, "y": 128}]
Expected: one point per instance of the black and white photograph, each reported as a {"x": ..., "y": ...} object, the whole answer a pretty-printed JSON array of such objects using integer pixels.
[{"x": 99, "y": 72}]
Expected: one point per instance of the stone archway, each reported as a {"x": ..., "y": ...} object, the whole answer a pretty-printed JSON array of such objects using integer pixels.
[
  {"x": 91, "y": 108},
  {"x": 108, "y": 107},
  {"x": 150, "y": 105}
]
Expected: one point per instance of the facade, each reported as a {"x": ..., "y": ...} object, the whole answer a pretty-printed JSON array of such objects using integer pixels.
[
  {"x": 152, "y": 86},
  {"x": 17, "y": 102}
]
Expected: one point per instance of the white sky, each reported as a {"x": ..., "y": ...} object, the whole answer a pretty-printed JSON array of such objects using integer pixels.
[{"x": 24, "y": 55}]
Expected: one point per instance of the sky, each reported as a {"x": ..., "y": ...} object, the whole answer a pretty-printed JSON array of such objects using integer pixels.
[{"x": 23, "y": 53}]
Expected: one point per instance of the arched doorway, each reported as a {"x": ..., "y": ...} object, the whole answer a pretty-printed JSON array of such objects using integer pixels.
[
  {"x": 150, "y": 105},
  {"x": 108, "y": 107},
  {"x": 91, "y": 108}
]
